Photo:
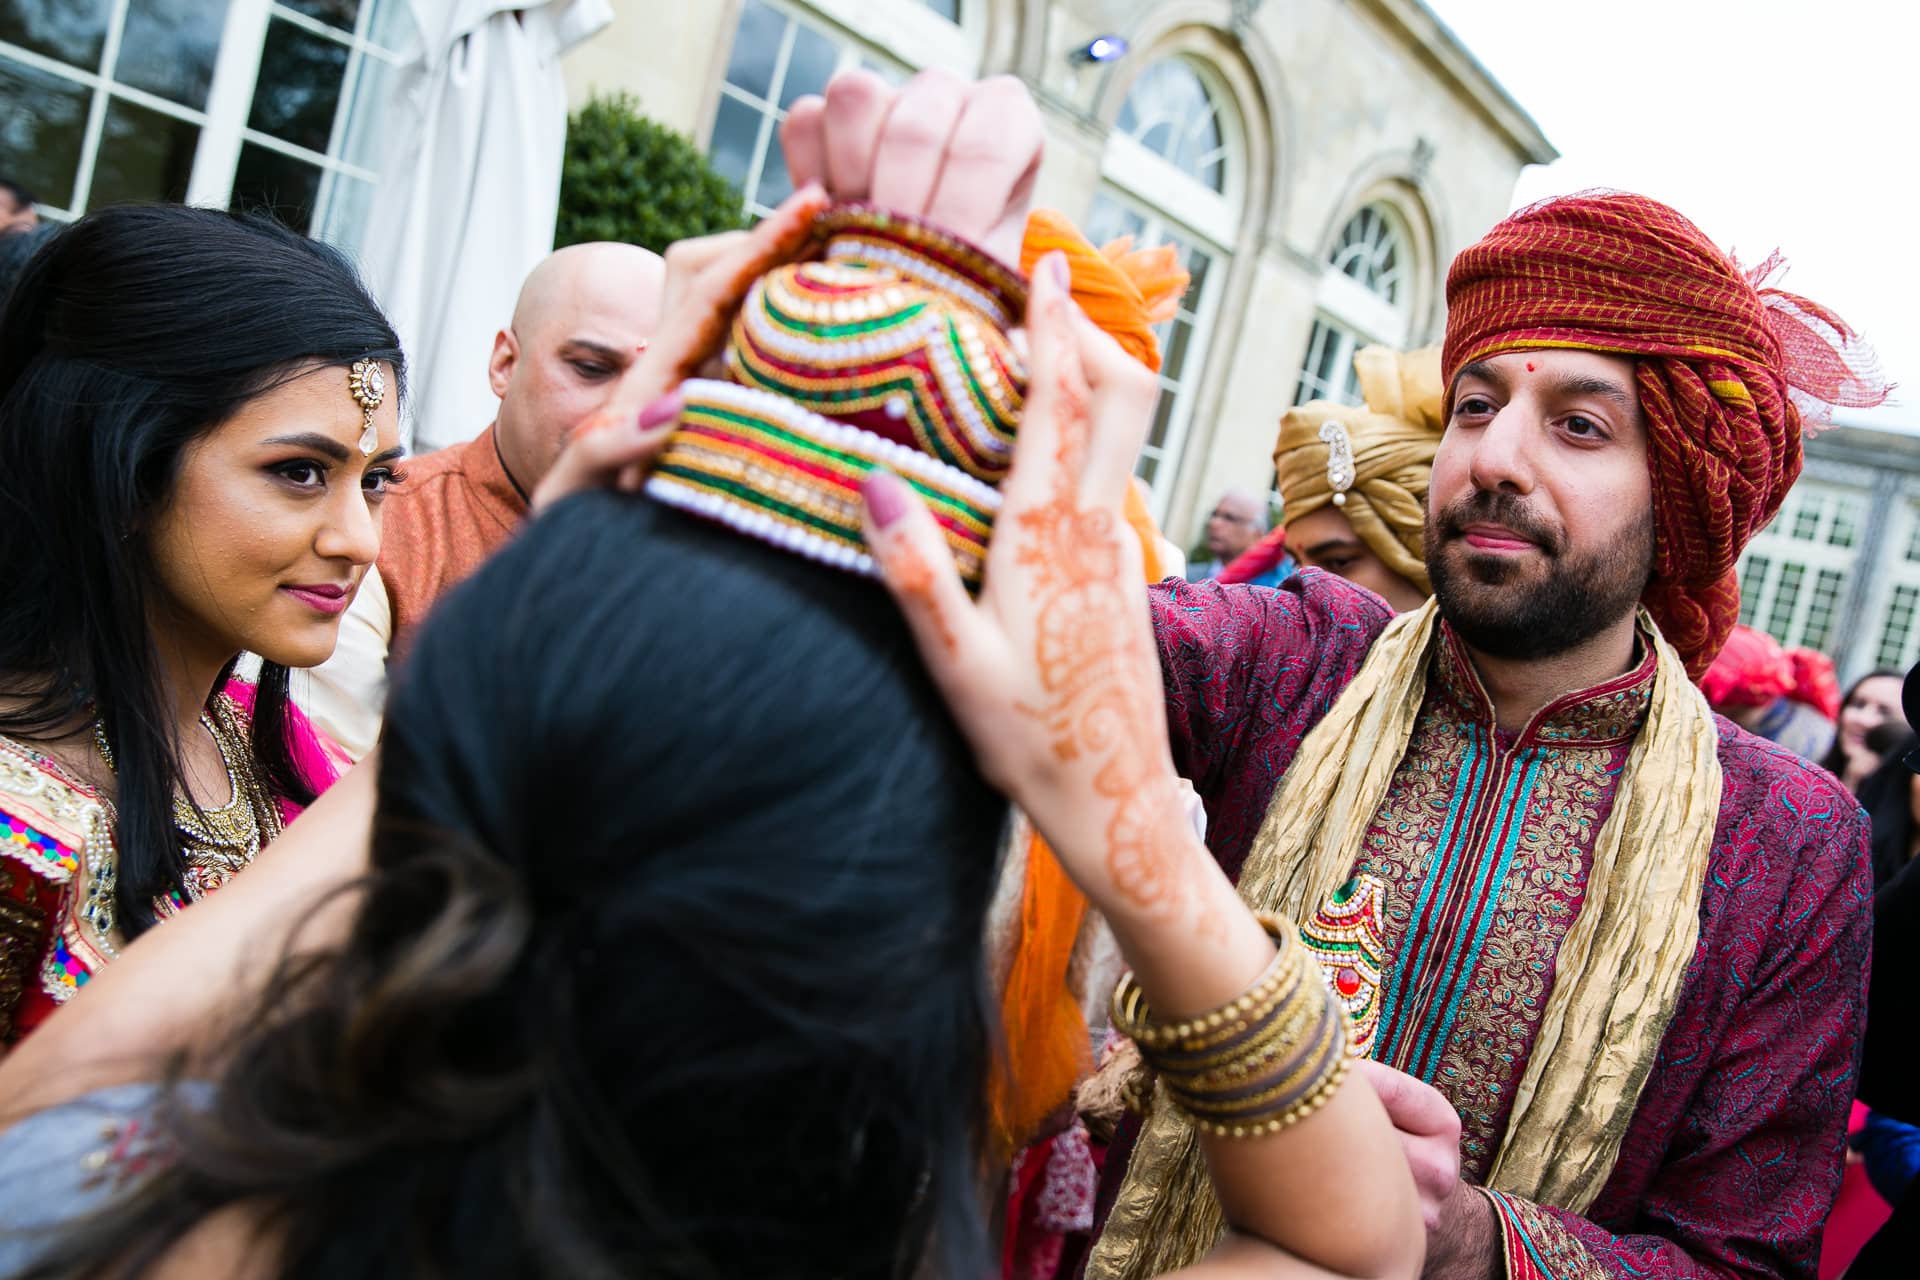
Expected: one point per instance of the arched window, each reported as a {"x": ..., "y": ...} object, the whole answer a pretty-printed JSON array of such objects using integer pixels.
[
  {"x": 1364, "y": 297},
  {"x": 1171, "y": 177},
  {"x": 1170, "y": 113}
]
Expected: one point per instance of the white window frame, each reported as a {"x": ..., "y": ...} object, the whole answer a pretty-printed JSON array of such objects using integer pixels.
[
  {"x": 1358, "y": 315},
  {"x": 1156, "y": 228},
  {"x": 853, "y": 53},
  {"x": 910, "y": 33},
  {"x": 223, "y": 123},
  {"x": 1818, "y": 506}
]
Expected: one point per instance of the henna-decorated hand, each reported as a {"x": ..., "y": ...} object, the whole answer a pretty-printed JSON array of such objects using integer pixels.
[
  {"x": 1052, "y": 674},
  {"x": 961, "y": 154},
  {"x": 707, "y": 279}
]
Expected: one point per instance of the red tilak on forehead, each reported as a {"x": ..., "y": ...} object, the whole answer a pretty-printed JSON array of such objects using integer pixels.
[{"x": 1529, "y": 366}]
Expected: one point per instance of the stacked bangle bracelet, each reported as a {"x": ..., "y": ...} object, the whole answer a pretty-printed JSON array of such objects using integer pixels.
[{"x": 1257, "y": 1064}]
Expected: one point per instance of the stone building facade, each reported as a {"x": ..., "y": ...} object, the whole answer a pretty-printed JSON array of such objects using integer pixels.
[{"x": 1318, "y": 162}]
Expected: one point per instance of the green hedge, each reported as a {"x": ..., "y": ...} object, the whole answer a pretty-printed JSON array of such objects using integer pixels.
[{"x": 627, "y": 178}]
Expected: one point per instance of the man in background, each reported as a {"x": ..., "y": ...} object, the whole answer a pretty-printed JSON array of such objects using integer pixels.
[
  {"x": 1237, "y": 522},
  {"x": 583, "y": 316}
]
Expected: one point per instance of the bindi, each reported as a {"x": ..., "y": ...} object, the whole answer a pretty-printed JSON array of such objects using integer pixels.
[{"x": 1530, "y": 366}]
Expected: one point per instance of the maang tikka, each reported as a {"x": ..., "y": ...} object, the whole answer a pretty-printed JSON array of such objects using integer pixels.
[{"x": 368, "y": 384}]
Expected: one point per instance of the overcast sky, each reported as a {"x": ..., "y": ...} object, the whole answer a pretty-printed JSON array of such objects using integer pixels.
[{"x": 1770, "y": 124}]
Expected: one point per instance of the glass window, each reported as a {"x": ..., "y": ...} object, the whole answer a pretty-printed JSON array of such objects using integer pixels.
[
  {"x": 776, "y": 60},
  {"x": 169, "y": 46},
  {"x": 43, "y": 129},
  {"x": 1795, "y": 575},
  {"x": 298, "y": 92},
  {"x": 1328, "y": 372},
  {"x": 948, "y": 9},
  {"x": 1181, "y": 338},
  {"x": 143, "y": 155},
  {"x": 1170, "y": 113},
  {"x": 1899, "y": 626},
  {"x": 271, "y": 181},
  {"x": 1372, "y": 252},
  {"x": 1753, "y": 577},
  {"x": 69, "y": 31},
  {"x": 309, "y": 142}
]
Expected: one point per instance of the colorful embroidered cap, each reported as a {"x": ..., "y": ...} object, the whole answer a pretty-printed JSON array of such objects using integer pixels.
[{"x": 890, "y": 352}]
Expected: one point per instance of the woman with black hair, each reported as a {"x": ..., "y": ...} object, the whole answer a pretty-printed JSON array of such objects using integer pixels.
[
  {"x": 668, "y": 955},
  {"x": 197, "y": 426}
]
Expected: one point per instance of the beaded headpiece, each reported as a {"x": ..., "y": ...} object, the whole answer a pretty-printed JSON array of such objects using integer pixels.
[
  {"x": 890, "y": 352},
  {"x": 367, "y": 384}
]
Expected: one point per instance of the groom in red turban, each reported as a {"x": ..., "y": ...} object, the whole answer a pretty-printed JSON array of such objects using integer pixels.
[
  {"x": 1722, "y": 365},
  {"x": 1624, "y": 939}
]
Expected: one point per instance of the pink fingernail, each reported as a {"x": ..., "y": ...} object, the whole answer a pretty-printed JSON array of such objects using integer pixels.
[
  {"x": 1056, "y": 265},
  {"x": 665, "y": 409},
  {"x": 885, "y": 497}
]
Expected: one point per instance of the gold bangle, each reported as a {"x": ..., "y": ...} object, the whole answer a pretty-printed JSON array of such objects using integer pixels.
[{"x": 1133, "y": 1018}]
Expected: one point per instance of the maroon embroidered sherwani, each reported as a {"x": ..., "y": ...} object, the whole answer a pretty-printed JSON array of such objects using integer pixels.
[{"x": 1484, "y": 841}]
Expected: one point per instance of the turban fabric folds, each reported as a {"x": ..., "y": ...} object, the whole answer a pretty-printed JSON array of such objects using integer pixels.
[
  {"x": 1725, "y": 365},
  {"x": 1392, "y": 440}
]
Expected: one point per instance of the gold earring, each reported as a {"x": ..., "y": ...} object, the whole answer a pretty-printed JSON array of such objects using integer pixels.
[{"x": 368, "y": 384}]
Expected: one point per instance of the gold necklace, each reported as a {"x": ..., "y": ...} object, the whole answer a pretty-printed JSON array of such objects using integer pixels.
[{"x": 217, "y": 843}]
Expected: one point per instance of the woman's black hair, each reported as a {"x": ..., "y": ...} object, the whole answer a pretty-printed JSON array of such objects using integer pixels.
[
  {"x": 127, "y": 336},
  {"x": 670, "y": 962},
  {"x": 1835, "y": 761}
]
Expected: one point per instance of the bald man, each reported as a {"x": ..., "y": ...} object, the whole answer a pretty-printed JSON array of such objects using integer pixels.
[{"x": 583, "y": 315}]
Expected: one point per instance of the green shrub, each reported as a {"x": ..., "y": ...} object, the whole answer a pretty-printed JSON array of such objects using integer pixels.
[{"x": 628, "y": 178}]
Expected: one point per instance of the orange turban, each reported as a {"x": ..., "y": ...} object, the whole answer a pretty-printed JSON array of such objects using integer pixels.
[
  {"x": 1124, "y": 290},
  {"x": 1725, "y": 367}
]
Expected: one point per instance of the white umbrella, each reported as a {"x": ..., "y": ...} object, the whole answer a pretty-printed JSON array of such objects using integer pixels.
[{"x": 468, "y": 192}]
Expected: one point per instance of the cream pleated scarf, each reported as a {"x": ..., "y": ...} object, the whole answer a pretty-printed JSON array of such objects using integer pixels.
[{"x": 1616, "y": 980}]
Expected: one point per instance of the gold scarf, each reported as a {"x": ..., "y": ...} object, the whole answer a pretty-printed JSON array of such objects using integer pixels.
[{"x": 1616, "y": 980}]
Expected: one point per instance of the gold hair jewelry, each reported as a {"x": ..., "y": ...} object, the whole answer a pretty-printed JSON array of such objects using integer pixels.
[
  {"x": 1340, "y": 472},
  {"x": 368, "y": 384}
]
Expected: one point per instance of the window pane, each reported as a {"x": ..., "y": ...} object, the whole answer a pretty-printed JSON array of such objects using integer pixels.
[
  {"x": 1175, "y": 345},
  {"x": 1162, "y": 421},
  {"x": 776, "y": 184},
  {"x": 1169, "y": 111},
  {"x": 267, "y": 182},
  {"x": 1109, "y": 220},
  {"x": 736, "y": 132},
  {"x": 299, "y": 86},
  {"x": 143, "y": 156},
  {"x": 43, "y": 124},
  {"x": 756, "y": 48},
  {"x": 335, "y": 13},
  {"x": 71, "y": 30},
  {"x": 948, "y": 9},
  {"x": 169, "y": 48},
  {"x": 809, "y": 68}
]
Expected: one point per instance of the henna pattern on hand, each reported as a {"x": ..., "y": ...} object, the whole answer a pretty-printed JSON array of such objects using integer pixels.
[
  {"x": 913, "y": 579},
  {"x": 1097, "y": 670}
]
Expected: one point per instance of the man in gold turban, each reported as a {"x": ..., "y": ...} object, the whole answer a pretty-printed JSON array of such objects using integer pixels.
[
  {"x": 1353, "y": 482},
  {"x": 1606, "y": 951}
]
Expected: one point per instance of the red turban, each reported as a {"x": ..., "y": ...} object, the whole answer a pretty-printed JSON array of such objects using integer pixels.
[
  {"x": 1724, "y": 364},
  {"x": 1752, "y": 670}
]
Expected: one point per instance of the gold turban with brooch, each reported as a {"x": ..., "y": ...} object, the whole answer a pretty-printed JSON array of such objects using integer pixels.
[{"x": 1373, "y": 462}]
